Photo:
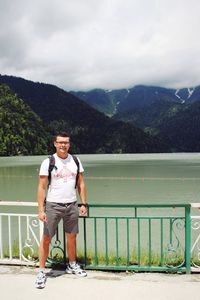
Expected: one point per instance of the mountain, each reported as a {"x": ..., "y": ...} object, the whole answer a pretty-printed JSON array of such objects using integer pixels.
[
  {"x": 189, "y": 95},
  {"x": 105, "y": 101},
  {"x": 91, "y": 130},
  {"x": 22, "y": 132},
  {"x": 150, "y": 116},
  {"x": 174, "y": 116},
  {"x": 118, "y": 102},
  {"x": 182, "y": 130},
  {"x": 121, "y": 102},
  {"x": 169, "y": 114},
  {"x": 145, "y": 104}
]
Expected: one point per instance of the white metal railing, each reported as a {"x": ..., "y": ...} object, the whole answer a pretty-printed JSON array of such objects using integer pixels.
[
  {"x": 19, "y": 238},
  {"x": 195, "y": 248},
  {"x": 20, "y": 234}
]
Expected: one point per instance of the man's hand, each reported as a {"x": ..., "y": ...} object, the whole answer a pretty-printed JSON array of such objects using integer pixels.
[
  {"x": 42, "y": 216},
  {"x": 83, "y": 210}
]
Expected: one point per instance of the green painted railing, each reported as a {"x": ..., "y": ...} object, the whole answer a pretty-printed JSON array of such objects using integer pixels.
[
  {"x": 134, "y": 237},
  {"x": 137, "y": 237}
]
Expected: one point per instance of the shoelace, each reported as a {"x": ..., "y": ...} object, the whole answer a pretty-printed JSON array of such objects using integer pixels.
[{"x": 40, "y": 276}]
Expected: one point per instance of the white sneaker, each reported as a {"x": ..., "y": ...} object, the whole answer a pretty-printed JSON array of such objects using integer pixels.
[
  {"x": 40, "y": 280},
  {"x": 76, "y": 269}
]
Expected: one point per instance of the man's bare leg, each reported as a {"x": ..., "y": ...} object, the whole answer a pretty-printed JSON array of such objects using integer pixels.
[
  {"x": 43, "y": 254},
  {"x": 44, "y": 250},
  {"x": 71, "y": 246},
  {"x": 73, "y": 267}
]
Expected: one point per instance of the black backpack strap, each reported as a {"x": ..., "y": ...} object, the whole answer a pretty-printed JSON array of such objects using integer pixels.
[
  {"x": 78, "y": 168},
  {"x": 51, "y": 167}
]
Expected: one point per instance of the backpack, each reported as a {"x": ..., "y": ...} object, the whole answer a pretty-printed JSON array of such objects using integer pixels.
[{"x": 52, "y": 166}]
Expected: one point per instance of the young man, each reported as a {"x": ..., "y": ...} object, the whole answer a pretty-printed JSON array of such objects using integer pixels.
[{"x": 61, "y": 202}]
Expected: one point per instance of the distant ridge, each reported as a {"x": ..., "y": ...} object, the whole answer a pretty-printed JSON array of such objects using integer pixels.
[
  {"x": 112, "y": 102},
  {"x": 169, "y": 114},
  {"x": 92, "y": 131}
]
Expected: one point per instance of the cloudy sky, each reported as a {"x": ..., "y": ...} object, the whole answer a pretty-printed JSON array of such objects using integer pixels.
[{"x": 110, "y": 44}]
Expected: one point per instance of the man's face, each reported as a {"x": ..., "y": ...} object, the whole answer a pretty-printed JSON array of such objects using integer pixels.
[{"x": 62, "y": 145}]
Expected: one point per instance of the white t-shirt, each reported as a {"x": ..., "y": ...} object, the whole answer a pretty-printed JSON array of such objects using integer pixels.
[{"x": 63, "y": 179}]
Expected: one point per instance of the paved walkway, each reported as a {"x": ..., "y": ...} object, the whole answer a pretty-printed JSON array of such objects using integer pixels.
[{"x": 17, "y": 283}]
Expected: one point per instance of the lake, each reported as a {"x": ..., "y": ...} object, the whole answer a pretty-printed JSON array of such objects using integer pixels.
[{"x": 114, "y": 178}]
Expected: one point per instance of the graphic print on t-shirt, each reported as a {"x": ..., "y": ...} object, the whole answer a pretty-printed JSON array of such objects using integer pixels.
[{"x": 64, "y": 173}]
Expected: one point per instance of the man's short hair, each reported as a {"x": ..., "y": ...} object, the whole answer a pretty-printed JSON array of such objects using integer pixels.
[{"x": 62, "y": 134}]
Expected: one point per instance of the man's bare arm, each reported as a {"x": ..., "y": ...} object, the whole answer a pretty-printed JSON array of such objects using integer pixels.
[
  {"x": 42, "y": 185},
  {"x": 82, "y": 193}
]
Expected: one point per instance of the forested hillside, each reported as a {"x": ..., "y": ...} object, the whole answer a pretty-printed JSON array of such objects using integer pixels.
[
  {"x": 21, "y": 130},
  {"x": 170, "y": 114},
  {"x": 91, "y": 131},
  {"x": 182, "y": 130}
]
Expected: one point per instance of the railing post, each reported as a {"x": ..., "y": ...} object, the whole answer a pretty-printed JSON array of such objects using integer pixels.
[
  {"x": 85, "y": 233},
  {"x": 188, "y": 238},
  {"x": 85, "y": 241},
  {"x": 1, "y": 239},
  {"x": 64, "y": 247}
]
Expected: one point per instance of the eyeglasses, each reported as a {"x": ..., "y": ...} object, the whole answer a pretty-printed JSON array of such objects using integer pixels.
[{"x": 63, "y": 143}]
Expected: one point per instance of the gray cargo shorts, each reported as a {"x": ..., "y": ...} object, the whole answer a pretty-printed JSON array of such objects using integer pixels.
[{"x": 69, "y": 212}]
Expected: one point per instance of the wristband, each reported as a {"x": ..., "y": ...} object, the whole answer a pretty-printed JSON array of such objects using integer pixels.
[{"x": 83, "y": 204}]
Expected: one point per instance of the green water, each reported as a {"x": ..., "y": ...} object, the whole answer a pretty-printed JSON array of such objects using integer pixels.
[
  {"x": 120, "y": 178},
  {"x": 112, "y": 179}
]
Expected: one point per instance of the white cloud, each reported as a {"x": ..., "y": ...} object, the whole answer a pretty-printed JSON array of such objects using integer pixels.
[{"x": 80, "y": 45}]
